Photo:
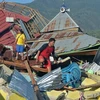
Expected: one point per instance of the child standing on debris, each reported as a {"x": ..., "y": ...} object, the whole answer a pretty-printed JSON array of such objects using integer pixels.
[
  {"x": 20, "y": 42},
  {"x": 44, "y": 53}
]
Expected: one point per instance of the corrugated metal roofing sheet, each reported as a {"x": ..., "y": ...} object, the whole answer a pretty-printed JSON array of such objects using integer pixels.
[
  {"x": 7, "y": 38},
  {"x": 3, "y": 24},
  {"x": 63, "y": 28},
  {"x": 67, "y": 41},
  {"x": 48, "y": 81},
  {"x": 17, "y": 16},
  {"x": 19, "y": 84},
  {"x": 61, "y": 21},
  {"x": 4, "y": 13}
]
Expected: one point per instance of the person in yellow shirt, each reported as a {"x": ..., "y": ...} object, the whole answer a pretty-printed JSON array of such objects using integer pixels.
[{"x": 20, "y": 42}]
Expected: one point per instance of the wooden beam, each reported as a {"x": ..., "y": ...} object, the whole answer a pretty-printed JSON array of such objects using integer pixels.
[
  {"x": 83, "y": 87},
  {"x": 22, "y": 65},
  {"x": 31, "y": 75},
  {"x": 81, "y": 53}
]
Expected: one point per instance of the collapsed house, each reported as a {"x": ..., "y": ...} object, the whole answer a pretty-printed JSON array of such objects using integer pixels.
[
  {"x": 14, "y": 17},
  {"x": 70, "y": 39},
  {"x": 62, "y": 27}
]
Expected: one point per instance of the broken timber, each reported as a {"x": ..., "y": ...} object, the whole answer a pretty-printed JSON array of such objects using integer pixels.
[
  {"x": 22, "y": 65},
  {"x": 36, "y": 67},
  {"x": 83, "y": 87},
  {"x": 36, "y": 88}
]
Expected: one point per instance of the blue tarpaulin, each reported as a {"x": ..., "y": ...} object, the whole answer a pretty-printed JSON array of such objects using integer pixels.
[{"x": 71, "y": 74}]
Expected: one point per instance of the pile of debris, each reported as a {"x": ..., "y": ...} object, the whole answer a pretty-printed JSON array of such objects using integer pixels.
[
  {"x": 14, "y": 17},
  {"x": 73, "y": 82},
  {"x": 70, "y": 80}
]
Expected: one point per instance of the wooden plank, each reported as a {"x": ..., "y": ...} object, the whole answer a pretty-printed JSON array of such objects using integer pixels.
[
  {"x": 81, "y": 52},
  {"x": 39, "y": 96},
  {"x": 31, "y": 75},
  {"x": 89, "y": 86},
  {"x": 22, "y": 65},
  {"x": 83, "y": 87}
]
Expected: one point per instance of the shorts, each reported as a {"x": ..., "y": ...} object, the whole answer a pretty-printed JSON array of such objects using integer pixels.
[
  {"x": 20, "y": 48},
  {"x": 47, "y": 64}
]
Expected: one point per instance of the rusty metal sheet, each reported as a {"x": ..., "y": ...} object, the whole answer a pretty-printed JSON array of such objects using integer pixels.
[
  {"x": 61, "y": 21},
  {"x": 47, "y": 36},
  {"x": 66, "y": 42}
]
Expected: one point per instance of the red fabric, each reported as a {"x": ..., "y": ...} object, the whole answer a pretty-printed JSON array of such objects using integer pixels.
[
  {"x": 48, "y": 64},
  {"x": 47, "y": 52},
  {"x": 40, "y": 57}
]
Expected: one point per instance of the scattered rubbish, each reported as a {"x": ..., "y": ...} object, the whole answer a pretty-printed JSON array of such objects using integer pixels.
[
  {"x": 55, "y": 95},
  {"x": 5, "y": 72},
  {"x": 61, "y": 96},
  {"x": 94, "y": 67},
  {"x": 2, "y": 81},
  {"x": 91, "y": 94},
  {"x": 73, "y": 95}
]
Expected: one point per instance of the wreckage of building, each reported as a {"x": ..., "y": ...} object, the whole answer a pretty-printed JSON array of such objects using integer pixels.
[
  {"x": 75, "y": 81},
  {"x": 62, "y": 27},
  {"x": 14, "y": 17},
  {"x": 70, "y": 39}
]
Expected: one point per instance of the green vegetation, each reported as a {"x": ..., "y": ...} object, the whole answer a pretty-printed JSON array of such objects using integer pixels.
[
  {"x": 85, "y": 12},
  {"x": 95, "y": 33}
]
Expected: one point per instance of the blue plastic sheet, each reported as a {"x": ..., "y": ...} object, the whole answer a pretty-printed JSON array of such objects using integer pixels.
[
  {"x": 71, "y": 74},
  {"x": 20, "y": 85}
]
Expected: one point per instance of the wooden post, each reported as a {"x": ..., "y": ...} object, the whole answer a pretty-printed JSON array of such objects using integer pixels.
[
  {"x": 89, "y": 86},
  {"x": 36, "y": 89}
]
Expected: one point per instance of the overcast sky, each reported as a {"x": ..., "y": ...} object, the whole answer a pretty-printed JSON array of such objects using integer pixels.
[{"x": 19, "y": 1}]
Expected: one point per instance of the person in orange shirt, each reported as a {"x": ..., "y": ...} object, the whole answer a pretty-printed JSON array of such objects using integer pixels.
[{"x": 20, "y": 42}]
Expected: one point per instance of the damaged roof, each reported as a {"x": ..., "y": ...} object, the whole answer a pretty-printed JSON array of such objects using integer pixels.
[
  {"x": 15, "y": 16},
  {"x": 25, "y": 11},
  {"x": 4, "y": 14},
  {"x": 69, "y": 37},
  {"x": 60, "y": 22},
  {"x": 66, "y": 41}
]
